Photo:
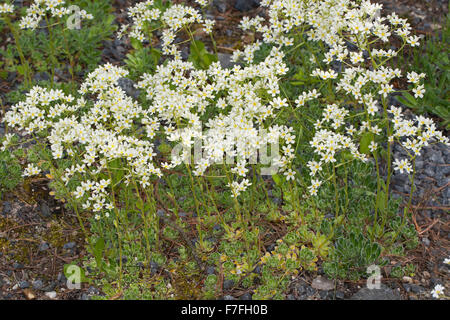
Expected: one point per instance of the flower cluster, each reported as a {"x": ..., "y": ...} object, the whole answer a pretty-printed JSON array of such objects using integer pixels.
[
  {"x": 350, "y": 36},
  {"x": 31, "y": 170},
  {"x": 228, "y": 112},
  {"x": 6, "y": 8},
  {"x": 42, "y": 8},
  {"x": 328, "y": 144},
  {"x": 7, "y": 141},
  {"x": 413, "y": 135},
  {"x": 91, "y": 133},
  {"x": 243, "y": 99},
  {"x": 146, "y": 17}
]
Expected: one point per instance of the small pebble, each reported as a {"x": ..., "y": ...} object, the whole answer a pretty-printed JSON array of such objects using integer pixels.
[
  {"x": 407, "y": 279},
  {"x": 246, "y": 296},
  {"x": 38, "y": 284},
  {"x": 51, "y": 294},
  {"x": 24, "y": 284},
  {"x": 228, "y": 284},
  {"x": 43, "y": 246}
]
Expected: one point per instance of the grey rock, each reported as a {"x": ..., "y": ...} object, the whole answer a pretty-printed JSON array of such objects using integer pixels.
[
  {"x": 417, "y": 289},
  {"x": 384, "y": 293},
  {"x": 210, "y": 270},
  {"x": 62, "y": 278},
  {"x": 426, "y": 241},
  {"x": 44, "y": 246},
  {"x": 228, "y": 297},
  {"x": 70, "y": 245},
  {"x": 161, "y": 213},
  {"x": 18, "y": 3},
  {"x": 93, "y": 290},
  {"x": 407, "y": 287},
  {"x": 38, "y": 284},
  {"x": 245, "y": 5},
  {"x": 221, "y": 5},
  {"x": 228, "y": 284},
  {"x": 6, "y": 207},
  {"x": 84, "y": 296},
  {"x": 17, "y": 265},
  {"x": 45, "y": 210},
  {"x": 50, "y": 287},
  {"x": 324, "y": 295},
  {"x": 301, "y": 290},
  {"x": 246, "y": 296},
  {"x": 442, "y": 170},
  {"x": 419, "y": 164},
  {"x": 339, "y": 295},
  {"x": 310, "y": 291},
  {"x": 437, "y": 157},
  {"x": 277, "y": 201},
  {"x": 24, "y": 284},
  {"x": 154, "y": 267},
  {"x": 127, "y": 85},
  {"x": 225, "y": 60},
  {"x": 429, "y": 171},
  {"x": 41, "y": 76},
  {"x": 322, "y": 283}
]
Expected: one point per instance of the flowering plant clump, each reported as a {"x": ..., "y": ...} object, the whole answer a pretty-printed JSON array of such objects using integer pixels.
[
  {"x": 40, "y": 9},
  {"x": 186, "y": 160},
  {"x": 91, "y": 133},
  {"x": 179, "y": 96},
  {"x": 363, "y": 75},
  {"x": 172, "y": 20}
]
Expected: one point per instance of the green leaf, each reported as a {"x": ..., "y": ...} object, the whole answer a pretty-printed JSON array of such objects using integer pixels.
[
  {"x": 366, "y": 139},
  {"x": 98, "y": 252},
  {"x": 136, "y": 44},
  {"x": 277, "y": 179},
  {"x": 408, "y": 100},
  {"x": 199, "y": 56}
]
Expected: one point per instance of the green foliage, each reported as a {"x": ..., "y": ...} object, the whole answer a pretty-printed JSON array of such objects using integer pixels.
[
  {"x": 432, "y": 59},
  {"x": 143, "y": 60},
  {"x": 10, "y": 171},
  {"x": 156, "y": 240},
  {"x": 73, "y": 50},
  {"x": 351, "y": 257},
  {"x": 199, "y": 56}
]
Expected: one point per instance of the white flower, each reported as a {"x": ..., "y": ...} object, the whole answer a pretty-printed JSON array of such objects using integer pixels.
[
  {"x": 419, "y": 91},
  {"x": 290, "y": 175},
  {"x": 402, "y": 165},
  {"x": 6, "y": 8},
  {"x": 31, "y": 170},
  {"x": 315, "y": 184},
  {"x": 438, "y": 291}
]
